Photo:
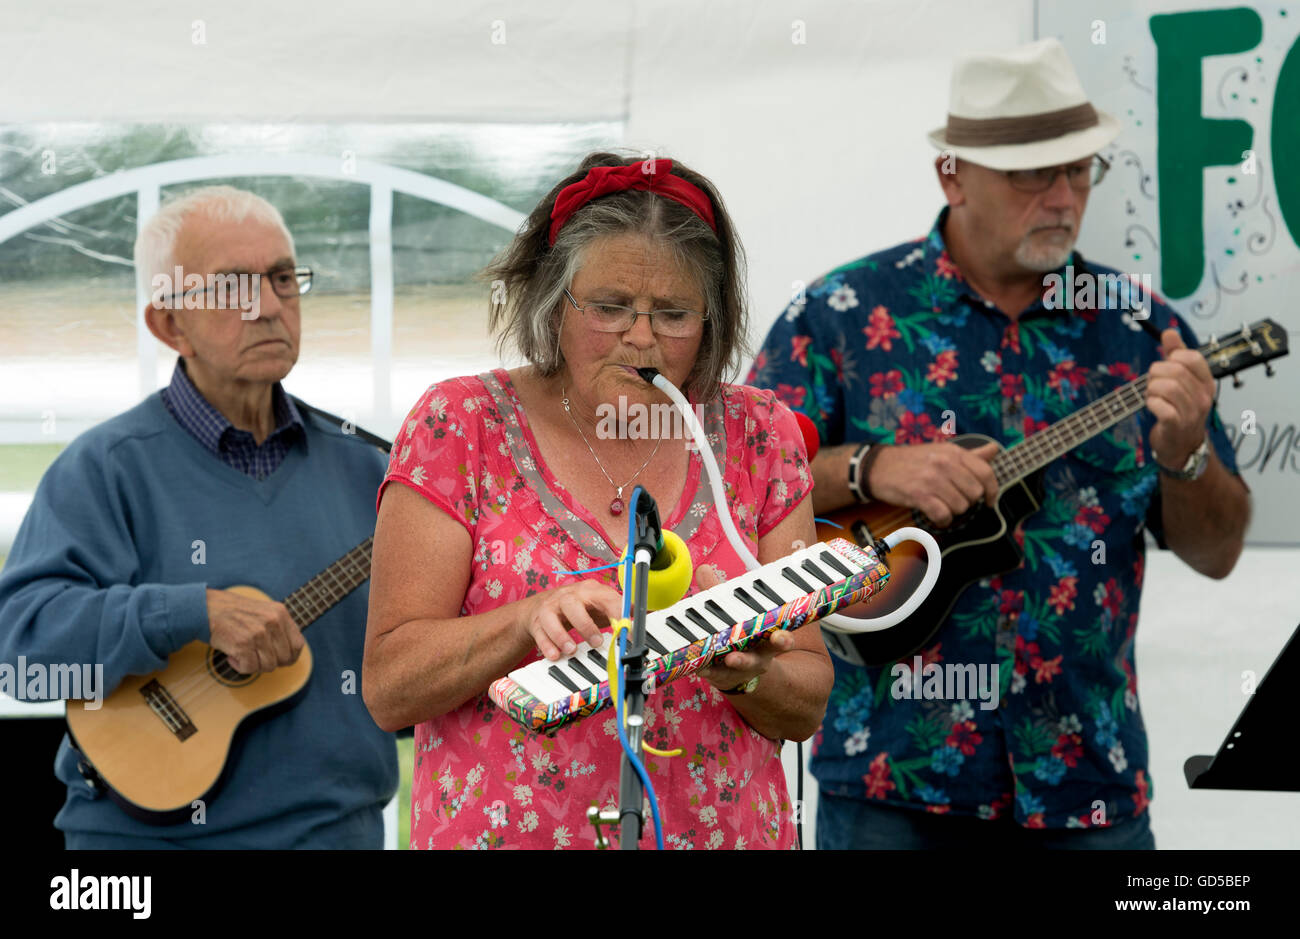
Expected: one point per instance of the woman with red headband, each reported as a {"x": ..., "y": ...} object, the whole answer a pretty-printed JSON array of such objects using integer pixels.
[{"x": 510, "y": 477}]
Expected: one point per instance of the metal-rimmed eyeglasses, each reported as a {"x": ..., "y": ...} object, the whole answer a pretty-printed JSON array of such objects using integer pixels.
[
  {"x": 1081, "y": 176},
  {"x": 614, "y": 318},
  {"x": 225, "y": 291}
]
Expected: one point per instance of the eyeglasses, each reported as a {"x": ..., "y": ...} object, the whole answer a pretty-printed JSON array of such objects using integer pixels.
[
  {"x": 1080, "y": 176},
  {"x": 612, "y": 318},
  {"x": 223, "y": 290}
]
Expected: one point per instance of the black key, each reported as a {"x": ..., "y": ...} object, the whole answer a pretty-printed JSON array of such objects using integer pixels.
[
  {"x": 753, "y": 604},
  {"x": 717, "y": 611},
  {"x": 833, "y": 562},
  {"x": 676, "y": 626},
  {"x": 582, "y": 671},
  {"x": 705, "y": 626},
  {"x": 768, "y": 592},
  {"x": 817, "y": 572},
  {"x": 790, "y": 575},
  {"x": 655, "y": 644},
  {"x": 601, "y": 661},
  {"x": 555, "y": 672}
]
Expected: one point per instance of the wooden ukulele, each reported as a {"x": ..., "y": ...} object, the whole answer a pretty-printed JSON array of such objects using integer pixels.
[
  {"x": 161, "y": 741},
  {"x": 980, "y": 542}
]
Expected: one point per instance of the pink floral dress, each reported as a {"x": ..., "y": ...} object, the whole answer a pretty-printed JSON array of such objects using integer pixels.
[{"x": 481, "y": 780}]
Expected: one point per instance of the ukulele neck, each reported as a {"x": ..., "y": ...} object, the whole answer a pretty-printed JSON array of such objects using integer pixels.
[
  {"x": 1040, "y": 449},
  {"x": 310, "y": 601}
]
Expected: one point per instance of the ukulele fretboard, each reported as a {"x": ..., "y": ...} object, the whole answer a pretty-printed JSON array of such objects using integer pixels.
[
  {"x": 310, "y": 601},
  {"x": 1042, "y": 448}
]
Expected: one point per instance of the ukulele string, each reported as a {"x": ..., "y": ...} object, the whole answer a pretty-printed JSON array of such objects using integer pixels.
[
  {"x": 1019, "y": 462},
  {"x": 183, "y": 688}
]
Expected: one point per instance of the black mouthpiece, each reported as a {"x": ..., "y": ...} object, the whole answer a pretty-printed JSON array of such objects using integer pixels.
[{"x": 648, "y": 374}]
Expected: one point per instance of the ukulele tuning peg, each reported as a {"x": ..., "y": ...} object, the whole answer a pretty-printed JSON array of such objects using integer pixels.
[
  {"x": 1268, "y": 369},
  {"x": 1237, "y": 382}
]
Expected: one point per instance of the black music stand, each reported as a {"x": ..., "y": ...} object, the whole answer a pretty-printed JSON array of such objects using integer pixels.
[{"x": 1248, "y": 758}]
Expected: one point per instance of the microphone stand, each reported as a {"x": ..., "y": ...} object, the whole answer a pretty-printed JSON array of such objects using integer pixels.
[{"x": 631, "y": 793}]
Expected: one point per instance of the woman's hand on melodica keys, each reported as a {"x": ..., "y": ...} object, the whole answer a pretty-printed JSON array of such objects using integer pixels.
[
  {"x": 586, "y": 608},
  {"x": 736, "y": 668}
]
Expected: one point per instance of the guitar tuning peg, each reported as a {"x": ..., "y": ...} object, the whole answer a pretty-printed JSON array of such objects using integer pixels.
[
  {"x": 1268, "y": 369},
  {"x": 1236, "y": 381}
]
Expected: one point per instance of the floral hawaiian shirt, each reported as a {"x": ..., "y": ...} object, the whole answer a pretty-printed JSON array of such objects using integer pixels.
[{"x": 891, "y": 348}]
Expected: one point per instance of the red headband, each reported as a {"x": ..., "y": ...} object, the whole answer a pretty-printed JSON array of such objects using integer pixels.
[{"x": 652, "y": 175}]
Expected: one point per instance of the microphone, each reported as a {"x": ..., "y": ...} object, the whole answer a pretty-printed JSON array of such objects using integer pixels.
[
  {"x": 670, "y": 564},
  {"x": 811, "y": 439}
]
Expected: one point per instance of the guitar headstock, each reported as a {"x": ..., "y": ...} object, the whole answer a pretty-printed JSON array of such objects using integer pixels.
[{"x": 1249, "y": 346}]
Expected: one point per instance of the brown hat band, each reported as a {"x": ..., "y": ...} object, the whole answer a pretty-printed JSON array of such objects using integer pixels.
[{"x": 1028, "y": 128}]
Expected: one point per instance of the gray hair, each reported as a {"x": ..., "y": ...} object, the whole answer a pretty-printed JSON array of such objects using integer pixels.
[
  {"x": 155, "y": 246},
  {"x": 528, "y": 279}
]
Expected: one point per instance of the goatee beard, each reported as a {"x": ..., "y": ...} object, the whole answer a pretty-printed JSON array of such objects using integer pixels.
[{"x": 1042, "y": 260}]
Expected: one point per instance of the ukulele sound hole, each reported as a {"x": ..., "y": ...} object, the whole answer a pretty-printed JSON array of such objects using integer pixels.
[{"x": 221, "y": 669}]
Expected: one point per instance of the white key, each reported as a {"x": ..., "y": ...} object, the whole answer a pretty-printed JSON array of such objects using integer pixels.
[
  {"x": 668, "y": 637},
  {"x": 779, "y": 585},
  {"x": 581, "y": 656},
  {"x": 534, "y": 679},
  {"x": 724, "y": 596}
]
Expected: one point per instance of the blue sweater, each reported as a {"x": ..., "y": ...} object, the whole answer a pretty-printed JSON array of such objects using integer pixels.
[{"x": 103, "y": 572}]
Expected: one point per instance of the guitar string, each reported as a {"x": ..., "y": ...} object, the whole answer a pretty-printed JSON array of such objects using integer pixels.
[
  {"x": 183, "y": 688},
  {"x": 1043, "y": 447}
]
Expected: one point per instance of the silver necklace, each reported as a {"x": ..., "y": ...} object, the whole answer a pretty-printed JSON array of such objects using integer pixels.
[{"x": 616, "y": 504}]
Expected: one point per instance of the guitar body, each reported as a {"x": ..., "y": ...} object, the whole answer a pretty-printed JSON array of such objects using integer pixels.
[
  {"x": 977, "y": 544},
  {"x": 164, "y": 740}
]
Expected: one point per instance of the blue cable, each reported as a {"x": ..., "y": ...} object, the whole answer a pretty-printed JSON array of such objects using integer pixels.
[
  {"x": 622, "y": 649},
  {"x": 589, "y": 570}
]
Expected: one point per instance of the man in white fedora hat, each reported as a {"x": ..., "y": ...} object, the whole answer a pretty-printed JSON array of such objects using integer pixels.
[{"x": 993, "y": 325}]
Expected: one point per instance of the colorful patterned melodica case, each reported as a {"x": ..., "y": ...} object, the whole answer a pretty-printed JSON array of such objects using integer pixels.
[{"x": 537, "y": 715}]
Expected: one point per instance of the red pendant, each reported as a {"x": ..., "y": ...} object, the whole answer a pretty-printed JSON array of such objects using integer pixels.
[{"x": 616, "y": 507}]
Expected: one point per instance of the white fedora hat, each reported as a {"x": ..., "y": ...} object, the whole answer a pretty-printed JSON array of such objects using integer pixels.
[{"x": 1022, "y": 109}]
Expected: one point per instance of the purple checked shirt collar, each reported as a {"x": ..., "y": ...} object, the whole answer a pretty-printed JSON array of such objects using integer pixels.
[{"x": 234, "y": 447}]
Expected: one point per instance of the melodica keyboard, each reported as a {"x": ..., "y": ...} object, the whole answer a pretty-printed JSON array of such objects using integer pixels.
[{"x": 807, "y": 585}]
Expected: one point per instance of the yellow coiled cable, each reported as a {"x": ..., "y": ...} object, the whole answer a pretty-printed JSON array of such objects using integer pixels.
[{"x": 622, "y": 626}]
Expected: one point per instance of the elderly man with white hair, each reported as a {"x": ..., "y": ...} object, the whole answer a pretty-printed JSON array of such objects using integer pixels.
[{"x": 218, "y": 479}]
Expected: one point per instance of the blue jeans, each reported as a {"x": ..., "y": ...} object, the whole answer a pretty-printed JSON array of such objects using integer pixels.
[{"x": 855, "y": 824}]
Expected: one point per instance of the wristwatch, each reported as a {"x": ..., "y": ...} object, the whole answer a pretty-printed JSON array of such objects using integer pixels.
[
  {"x": 747, "y": 688},
  {"x": 1195, "y": 466}
]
